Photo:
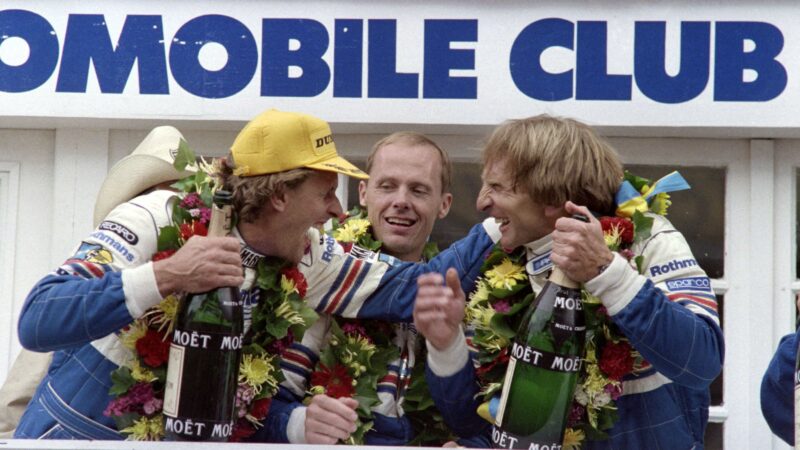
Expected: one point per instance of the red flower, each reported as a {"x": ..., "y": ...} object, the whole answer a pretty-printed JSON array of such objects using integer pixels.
[
  {"x": 500, "y": 359},
  {"x": 616, "y": 359},
  {"x": 299, "y": 280},
  {"x": 164, "y": 254},
  {"x": 336, "y": 381},
  {"x": 260, "y": 408},
  {"x": 241, "y": 430},
  {"x": 625, "y": 227},
  {"x": 191, "y": 229},
  {"x": 152, "y": 348}
]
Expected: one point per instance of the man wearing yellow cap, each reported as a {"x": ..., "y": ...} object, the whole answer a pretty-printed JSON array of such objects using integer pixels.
[{"x": 283, "y": 175}]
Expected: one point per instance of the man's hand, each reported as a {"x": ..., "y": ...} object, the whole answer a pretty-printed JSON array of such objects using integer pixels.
[
  {"x": 439, "y": 309},
  {"x": 579, "y": 249},
  {"x": 329, "y": 419},
  {"x": 202, "y": 264}
]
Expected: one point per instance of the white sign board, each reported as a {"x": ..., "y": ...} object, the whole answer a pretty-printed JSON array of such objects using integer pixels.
[{"x": 612, "y": 63}]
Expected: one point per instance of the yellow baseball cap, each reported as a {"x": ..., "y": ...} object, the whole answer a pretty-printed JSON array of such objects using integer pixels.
[{"x": 276, "y": 141}]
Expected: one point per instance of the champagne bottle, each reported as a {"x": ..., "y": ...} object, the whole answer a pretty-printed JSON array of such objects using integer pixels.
[
  {"x": 202, "y": 375},
  {"x": 543, "y": 367}
]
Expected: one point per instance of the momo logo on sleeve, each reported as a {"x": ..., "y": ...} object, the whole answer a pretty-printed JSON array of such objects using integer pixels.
[{"x": 690, "y": 284}]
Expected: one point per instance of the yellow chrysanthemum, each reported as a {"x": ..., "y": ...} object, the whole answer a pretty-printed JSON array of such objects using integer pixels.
[
  {"x": 479, "y": 315},
  {"x": 481, "y": 292},
  {"x": 613, "y": 237},
  {"x": 145, "y": 429},
  {"x": 363, "y": 346},
  {"x": 141, "y": 374},
  {"x": 286, "y": 311},
  {"x": 661, "y": 203},
  {"x": 351, "y": 230},
  {"x": 505, "y": 275},
  {"x": 134, "y": 332},
  {"x": 287, "y": 285},
  {"x": 163, "y": 314},
  {"x": 255, "y": 371},
  {"x": 573, "y": 439}
]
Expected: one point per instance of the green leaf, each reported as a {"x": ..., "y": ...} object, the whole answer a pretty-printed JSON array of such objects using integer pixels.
[
  {"x": 639, "y": 260},
  {"x": 500, "y": 327},
  {"x": 278, "y": 328},
  {"x": 184, "y": 157},
  {"x": 121, "y": 381},
  {"x": 636, "y": 181},
  {"x": 169, "y": 238},
  {"x": 642, "y": 226}
]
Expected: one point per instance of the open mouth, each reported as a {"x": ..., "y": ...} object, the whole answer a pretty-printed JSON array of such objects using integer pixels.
[
  {"x": 400, "y": 221},
  {"x": 502, "y": 221}
]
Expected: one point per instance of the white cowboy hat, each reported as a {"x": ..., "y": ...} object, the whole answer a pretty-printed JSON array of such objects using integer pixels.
[{"x": 148, "y": 165}]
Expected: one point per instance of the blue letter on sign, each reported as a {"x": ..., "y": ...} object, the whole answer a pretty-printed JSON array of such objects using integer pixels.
[
  {"x": 592, "y": 80},
  {"x": 43, "y": 50},
  {"x": 348, "y": 58},
  {"x": 649, "y": 56},
  {"x": 525, "y": 61},
  {"x": 440, "y": 58},
  {"x": 223, "y": 30},
  {"x": 732, "y": 60},
  {"x": 276, "y": 58},
  {"x": 87, "y": 39},
  {"x": 383, "y": 81}
]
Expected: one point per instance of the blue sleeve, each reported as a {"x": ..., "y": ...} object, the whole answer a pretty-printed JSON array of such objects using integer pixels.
[
  {"x": 455, "y": 398},
  {"x": 277, "y": 420},
  {"x": 777, "y": 390},
  {"x": 64, "y": 311},
  {"x": 393, "y": 299},
  {"x": 685, "y": 347}
]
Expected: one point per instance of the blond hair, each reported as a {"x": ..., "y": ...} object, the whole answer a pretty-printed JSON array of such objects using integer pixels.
[
  {"x": 555, "y": 159},
  {"x": 413, "y": 139},
  {"x": 251, "y": 193}
]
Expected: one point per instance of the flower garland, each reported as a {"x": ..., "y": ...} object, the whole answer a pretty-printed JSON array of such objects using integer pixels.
[
  {"x": 138, "y": 385},
  {"x": 358, "y": 353},
  {"x": 502, "y": 295}
]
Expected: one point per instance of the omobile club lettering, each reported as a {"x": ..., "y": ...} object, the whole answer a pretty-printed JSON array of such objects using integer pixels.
[{"x": 362, "y": 63}]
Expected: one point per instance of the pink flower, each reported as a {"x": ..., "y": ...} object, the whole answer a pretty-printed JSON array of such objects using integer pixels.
[
  {"x": 614, "y": 390},
  {"x": 139, "y": 399},
  {"x": 502, "y": 306},
  {"x": 354, "y": 329},
  {"x": 576, "y": 414},
  {"x": 627, "y": 254},
  {"x": 279, "y": 346},
  {"x": 192, "y": 200}
]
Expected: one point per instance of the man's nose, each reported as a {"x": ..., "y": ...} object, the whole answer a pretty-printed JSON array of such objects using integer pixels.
[
  {"x": 400, "y": 198},
  {"x": 483, "y": 202},
  {"x": 335, "y": 209}
]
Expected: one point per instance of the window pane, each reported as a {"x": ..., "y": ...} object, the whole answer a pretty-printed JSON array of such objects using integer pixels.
[
  {"x": 713, "y": 438},
  {"x": 698, "y": 213}
]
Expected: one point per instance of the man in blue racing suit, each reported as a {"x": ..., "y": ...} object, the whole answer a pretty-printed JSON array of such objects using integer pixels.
[{"x": 536, "y": 173}]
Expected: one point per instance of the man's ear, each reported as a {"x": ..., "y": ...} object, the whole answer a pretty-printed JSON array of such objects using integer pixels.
[
  {"x": 554, "y": 212},
  {"x": 279, "y": 202},
  {"x": 444, "y": 207},
  {"x": 362, "y": 193}
]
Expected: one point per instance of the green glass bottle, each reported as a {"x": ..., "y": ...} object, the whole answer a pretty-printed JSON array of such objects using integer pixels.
[
  {"x": 203, "y": 370},
  {"x": 542, "y": 372}
]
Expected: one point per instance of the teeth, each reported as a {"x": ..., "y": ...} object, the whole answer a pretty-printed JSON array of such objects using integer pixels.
[
  {"x": 404, "y": 222},
  {"x": 501, "y": 221}
]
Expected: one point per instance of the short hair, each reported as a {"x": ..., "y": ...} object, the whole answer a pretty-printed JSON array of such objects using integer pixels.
[
  {"x": 555, "y": 159},
  {"x": 412, "y": 138},
  {"x": 251, "y": 193}
]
